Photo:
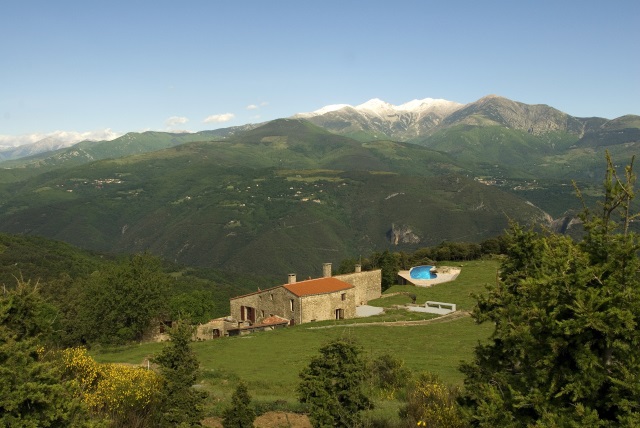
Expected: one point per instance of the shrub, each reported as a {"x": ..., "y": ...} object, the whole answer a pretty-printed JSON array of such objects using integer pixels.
[
  {"x": 431, "y": 403},
  {"x": 126, "y": 395}
]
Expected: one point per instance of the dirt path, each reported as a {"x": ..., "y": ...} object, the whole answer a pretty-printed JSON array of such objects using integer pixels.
[
  {"x": 445, "y": 318},
  {"x": 269, "y": 420}
]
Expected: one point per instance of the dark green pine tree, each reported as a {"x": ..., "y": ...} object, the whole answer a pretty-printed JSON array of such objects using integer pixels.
[
  {"x": 32, "y": 390},
  {"x": 240, "y": 414},
  {"x": 567, "y": 315},
  {"x": 332, "y": 385},
  {"x": 181, "y": 403}
]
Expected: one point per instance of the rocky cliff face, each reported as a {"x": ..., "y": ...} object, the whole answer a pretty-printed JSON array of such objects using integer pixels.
[{"x": 402, "y": 234}]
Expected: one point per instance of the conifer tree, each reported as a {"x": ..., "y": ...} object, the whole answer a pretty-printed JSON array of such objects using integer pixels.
[
  {"x": 332, "y": 385},
  {"x": 567, "y": 315},
  {"x": 181, "y": 404},
  {"x": 240, "y": 414},
  {"x": 32, "y": 390}
]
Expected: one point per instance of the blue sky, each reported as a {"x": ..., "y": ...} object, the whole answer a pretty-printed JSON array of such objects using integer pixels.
[{"x": 86, "y": 66}]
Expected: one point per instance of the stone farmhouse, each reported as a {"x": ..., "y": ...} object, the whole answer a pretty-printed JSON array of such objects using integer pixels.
[{"x": 299, "y": 302}]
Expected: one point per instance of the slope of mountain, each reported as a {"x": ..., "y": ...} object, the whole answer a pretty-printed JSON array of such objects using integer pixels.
[
  {"x": 495, "y": 137},
  {"x": 289, "y": 194},
  {"x": 283, "y": 197},
  {"x": 377, "y": 119},
  {"x": 47, "y": 144},
  {"x": 493, "y": 110},
  {"x": 128, "y": 144}
]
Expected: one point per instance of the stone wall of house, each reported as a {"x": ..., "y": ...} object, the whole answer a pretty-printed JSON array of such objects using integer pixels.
[
  {"x": 368, "y": 285},
  {"x": 320, "y": 307},
  {"x": 274, "y": 301}
]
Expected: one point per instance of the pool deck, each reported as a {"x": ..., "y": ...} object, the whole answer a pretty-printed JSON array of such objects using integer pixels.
[{"x": 444, "y": 274}]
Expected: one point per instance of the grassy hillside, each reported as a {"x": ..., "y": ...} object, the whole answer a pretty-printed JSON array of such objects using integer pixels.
[
  {"x": 500, "y": 151},
  {"x": 270, "y": 361}
]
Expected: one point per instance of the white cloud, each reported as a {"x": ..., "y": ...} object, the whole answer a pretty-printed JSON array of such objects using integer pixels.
[
  {"x": 63, "y": 137},
  {"x": 257, "y": 106},
  {"x": 219, "y": 118},
  {"x": 176, "y": 120}
]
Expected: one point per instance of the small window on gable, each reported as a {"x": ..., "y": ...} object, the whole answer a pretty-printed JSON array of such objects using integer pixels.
[
  {"x": 343, "y": 296},
  {"x": 271, "y": 296},
  {"x": 291, "y": 303}
]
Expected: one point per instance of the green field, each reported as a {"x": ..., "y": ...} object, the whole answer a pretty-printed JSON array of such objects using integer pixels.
[{"x": 270, "y": 361}]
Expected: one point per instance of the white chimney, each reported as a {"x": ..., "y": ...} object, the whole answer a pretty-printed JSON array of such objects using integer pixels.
[
  {"x": 292, "y": 278},
  {"x": 358, "y": 268}
]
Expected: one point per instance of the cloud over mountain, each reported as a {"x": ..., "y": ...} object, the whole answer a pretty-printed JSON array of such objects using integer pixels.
[
  {"x": 64, "y": 138},
  {"x": 219, "y": 118},
  {"x": 176, "y": 120}
]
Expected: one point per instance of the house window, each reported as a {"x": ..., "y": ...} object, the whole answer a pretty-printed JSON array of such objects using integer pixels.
[
  {"x": 262, "y": 314},
  {"x": 247, "y": 313},
  {"x": 343, "y": 296},
  {"x": 339, "y": 314},
  {"x": 271, "y": 296},
  {"x": 291, "y": 304}
]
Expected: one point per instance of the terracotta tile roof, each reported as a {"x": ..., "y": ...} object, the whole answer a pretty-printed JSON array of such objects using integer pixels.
[
  {"x": 317, "y": 286},
  {"x": 274, "y": 320}
]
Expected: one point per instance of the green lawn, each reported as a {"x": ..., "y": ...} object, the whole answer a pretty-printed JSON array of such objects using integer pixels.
[
  {"x": 474, "y": 275},
  {"x": 270, "y": 361}
]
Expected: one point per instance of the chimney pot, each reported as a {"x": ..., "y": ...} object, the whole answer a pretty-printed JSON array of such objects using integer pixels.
[{"x": 292, "y": 278}]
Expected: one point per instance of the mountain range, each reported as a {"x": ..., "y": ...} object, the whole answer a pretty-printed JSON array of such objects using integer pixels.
[{"x": 290, "y": 194}]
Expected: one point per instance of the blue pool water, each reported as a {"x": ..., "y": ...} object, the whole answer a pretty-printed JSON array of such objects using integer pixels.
[{"x": 422, "y": 272}]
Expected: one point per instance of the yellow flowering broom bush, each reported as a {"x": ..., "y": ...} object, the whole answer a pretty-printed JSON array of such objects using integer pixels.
[
  {"x": 125, "y": 394},
  {"x": 431, "y": 403}
]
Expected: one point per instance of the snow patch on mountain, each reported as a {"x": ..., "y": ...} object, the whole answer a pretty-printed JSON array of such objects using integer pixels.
[
  {"x": 323, "y": 110},
  {"x": 379, "y": 107}
]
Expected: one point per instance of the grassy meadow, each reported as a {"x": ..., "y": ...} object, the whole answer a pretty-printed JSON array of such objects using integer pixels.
[{"x": 270, "y": 361}]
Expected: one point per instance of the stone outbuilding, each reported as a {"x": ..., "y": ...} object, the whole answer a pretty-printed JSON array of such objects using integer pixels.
[{"x": 215, "y": 328}]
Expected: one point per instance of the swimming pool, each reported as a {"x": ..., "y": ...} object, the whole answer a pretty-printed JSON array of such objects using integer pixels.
[{"x": 422, "y": 272}]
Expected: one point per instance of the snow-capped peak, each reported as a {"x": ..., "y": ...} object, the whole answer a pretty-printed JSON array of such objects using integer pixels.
[
  {"x": 427, "y": 103},
  {"x": 323, "y": 110},
  {"x": 333, "y": 107},
  {"x": 377, "y": 106}
]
